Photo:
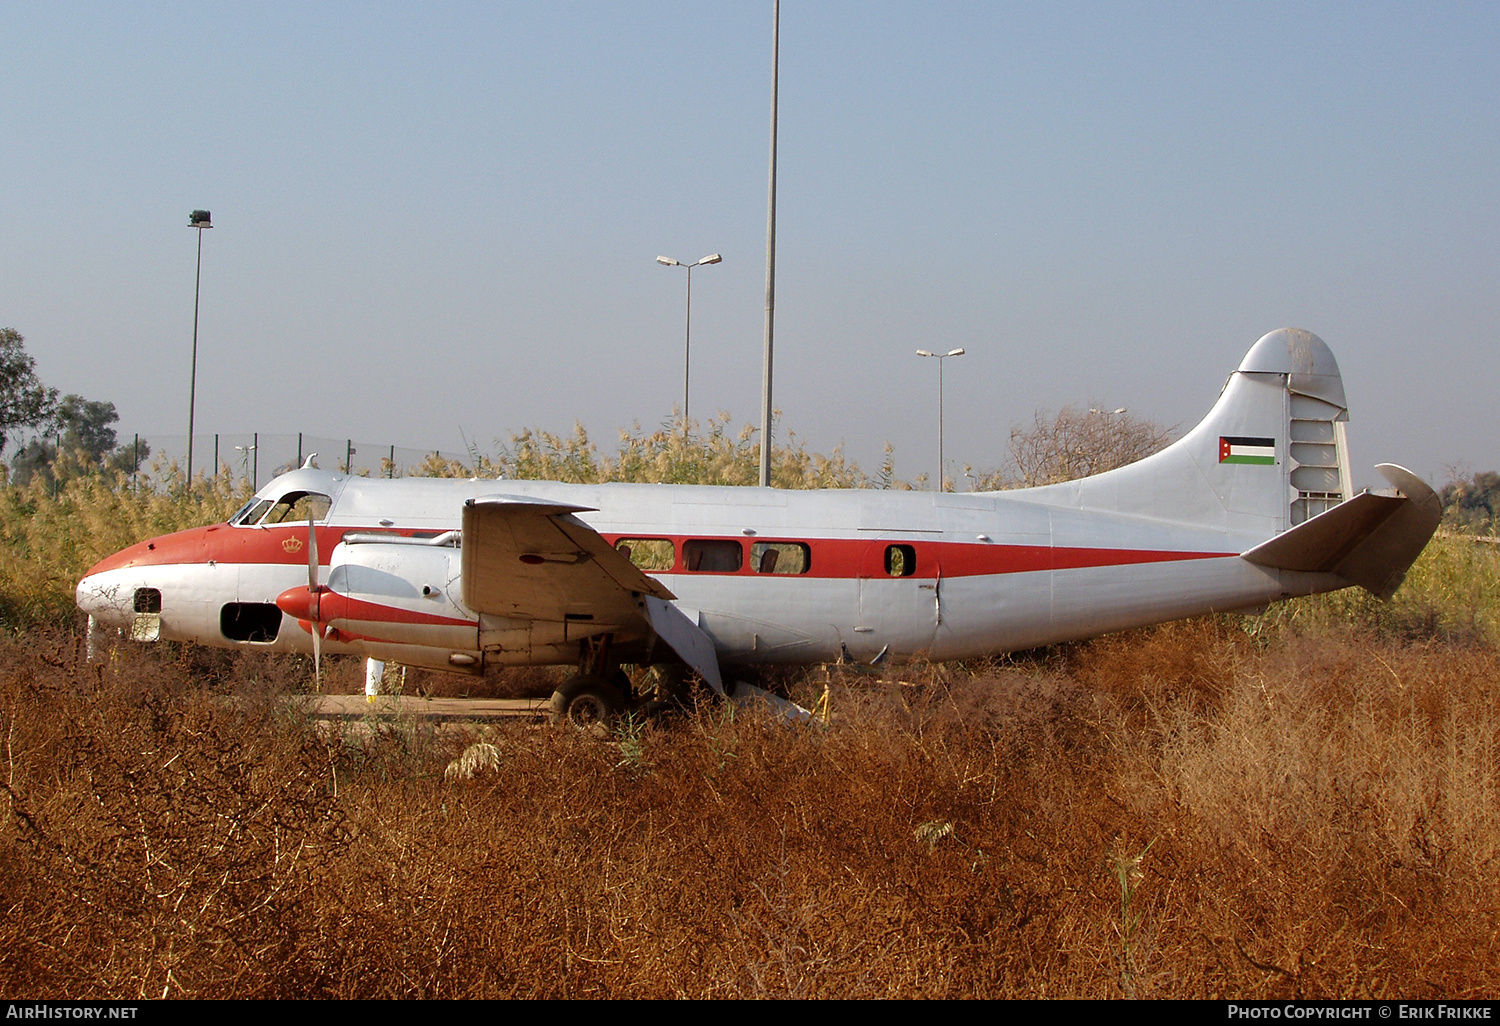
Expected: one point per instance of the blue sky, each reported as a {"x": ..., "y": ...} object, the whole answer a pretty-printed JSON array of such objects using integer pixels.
[{"x": 444, "y": 217}]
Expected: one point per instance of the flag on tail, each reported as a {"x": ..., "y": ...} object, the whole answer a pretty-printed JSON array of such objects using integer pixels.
[{"x": 1237, "y": 449}]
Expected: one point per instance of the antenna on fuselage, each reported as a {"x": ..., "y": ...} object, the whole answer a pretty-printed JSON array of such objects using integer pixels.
[{"x": 308, "y": 463}]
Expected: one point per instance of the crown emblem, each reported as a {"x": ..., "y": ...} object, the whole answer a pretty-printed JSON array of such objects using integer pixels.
[{"x": 292, "y": 544}]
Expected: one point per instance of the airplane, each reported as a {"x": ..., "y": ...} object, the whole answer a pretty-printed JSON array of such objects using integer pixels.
[{"x": 1252, "y": 506}]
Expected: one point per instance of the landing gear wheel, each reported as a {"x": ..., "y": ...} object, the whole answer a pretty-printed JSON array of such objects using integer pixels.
[{"x": 588, "y": 703}]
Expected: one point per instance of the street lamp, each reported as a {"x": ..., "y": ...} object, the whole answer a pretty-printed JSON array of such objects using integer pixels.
[
  {"x": 687, "y": 335},
  {"x": 245, "y": 451},
  {"x": 940, "y": 357},
  {"x": 200, "y": 220}
]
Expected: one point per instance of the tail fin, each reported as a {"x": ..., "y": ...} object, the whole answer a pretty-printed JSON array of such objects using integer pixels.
[
  {"x": 1269, "y": 469},
  {"x": 1271, "y": 453}
]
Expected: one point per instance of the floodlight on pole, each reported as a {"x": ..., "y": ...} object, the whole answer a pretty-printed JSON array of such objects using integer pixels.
[
  {"x": 687, "y": 335},
  {"x": 940, "y": 357},
  {"x": 199, "y": 219}
]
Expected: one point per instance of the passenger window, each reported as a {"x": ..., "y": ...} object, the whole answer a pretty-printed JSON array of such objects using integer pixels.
[
  {"x": 713, "y": 556},
  {"x": 900, "y": 560},
  {"x": 780, "y": 557},
  {"x": 648, "y": 553}
]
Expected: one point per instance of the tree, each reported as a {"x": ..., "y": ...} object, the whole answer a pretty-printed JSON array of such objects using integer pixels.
[
  {"x": 85, "y": 425},
  {"x": 1472, "y": 505},
  {"x": 83, "y": 433},
  {"x": 1077, "y": 443},
  {"x": 24, "y": 400}
]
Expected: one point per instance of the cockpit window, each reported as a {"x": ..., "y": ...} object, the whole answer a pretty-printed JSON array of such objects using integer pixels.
[
  {"x": 294, "y": 507},
  {"x": 291, "y": 508},
  {"x": 251, "y": 511},
  {"x": 288, "y": 509}
]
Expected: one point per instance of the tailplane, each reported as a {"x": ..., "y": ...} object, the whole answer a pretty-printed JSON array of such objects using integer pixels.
[{"x": 1371, "y": 540}]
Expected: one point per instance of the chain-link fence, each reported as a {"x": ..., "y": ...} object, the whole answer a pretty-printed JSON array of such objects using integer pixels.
[{"x": 259, "y": 456}]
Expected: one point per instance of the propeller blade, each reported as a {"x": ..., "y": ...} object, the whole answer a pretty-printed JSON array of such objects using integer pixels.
[
  {"x": 312, "y": 551},
  {"x": 312, "y": 591}
]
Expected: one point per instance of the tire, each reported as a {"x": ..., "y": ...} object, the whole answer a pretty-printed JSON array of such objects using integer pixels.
[{"x": 588, "y": 703}]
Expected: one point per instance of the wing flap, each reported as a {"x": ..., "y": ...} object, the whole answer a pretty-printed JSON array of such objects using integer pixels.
[
  {"x": 531, "y": 559},
  {"x": 687, "y": 639}
]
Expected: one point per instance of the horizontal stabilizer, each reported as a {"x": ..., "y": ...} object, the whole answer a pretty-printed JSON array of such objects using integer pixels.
[
  {"x": 685, "y": 638},
  {"x": 1371, "y": 540}
]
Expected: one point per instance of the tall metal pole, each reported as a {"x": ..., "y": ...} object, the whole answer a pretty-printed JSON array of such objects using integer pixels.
[
  {"x": 765, "y": 406},
  {"x": 940, "y": 357},
  {"x": 687, "y": 332},
  {"x": 193, "y": 374},
  {"x": 687, "y": 349},
  {"x": 942, "y": 482}
]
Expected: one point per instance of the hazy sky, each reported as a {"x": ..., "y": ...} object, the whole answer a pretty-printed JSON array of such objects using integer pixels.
[{"x": 435, "y": 217}]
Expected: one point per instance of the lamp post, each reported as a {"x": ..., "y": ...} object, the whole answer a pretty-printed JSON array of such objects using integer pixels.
[
  {"x": 200, "y": 220},
  {"x": 765, "y": 374},
  {"x": 245, "y": 451},
  {"x": 687, "y": 334},
  {"x": 940, "y": 357}
]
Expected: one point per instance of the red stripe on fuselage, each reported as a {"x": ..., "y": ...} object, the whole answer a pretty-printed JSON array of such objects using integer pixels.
[
  {"x": 865, "y": 557},
  {"x": 831, "y": 557}
]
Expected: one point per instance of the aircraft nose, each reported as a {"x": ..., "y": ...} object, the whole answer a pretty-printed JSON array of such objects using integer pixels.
[
  {"x": 106, "y": 600},
  {"x": 87, "y": 595}
]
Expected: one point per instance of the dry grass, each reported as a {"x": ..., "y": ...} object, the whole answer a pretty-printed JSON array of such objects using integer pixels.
[
  {"x": 1196, "y": 810},
  {"x": 1305, "y": 803}
]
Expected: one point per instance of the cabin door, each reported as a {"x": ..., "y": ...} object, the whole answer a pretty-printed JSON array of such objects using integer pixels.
[{"x": 900, "y": 601}]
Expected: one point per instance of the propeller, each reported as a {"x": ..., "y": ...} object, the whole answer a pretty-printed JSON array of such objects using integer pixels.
[
  {"x": 306, "y": 603},
  {"x": 314, "y": 590}
]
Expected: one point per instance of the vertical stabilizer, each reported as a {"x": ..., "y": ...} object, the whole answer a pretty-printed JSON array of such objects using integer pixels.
[{"x": 1269, "y": 455}]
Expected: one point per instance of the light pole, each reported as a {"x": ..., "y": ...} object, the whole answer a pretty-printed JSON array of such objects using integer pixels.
[
  {"x": 200, "y": 220},
  {"x": 245, "y": 451},
  {"x": 687, "y": 335},
  {"x": 940, "y": 357},
  {"x": 765, "y": 374}
]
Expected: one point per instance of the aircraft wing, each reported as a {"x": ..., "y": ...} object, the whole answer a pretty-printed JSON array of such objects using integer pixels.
[{"x": 534, "y": 560}]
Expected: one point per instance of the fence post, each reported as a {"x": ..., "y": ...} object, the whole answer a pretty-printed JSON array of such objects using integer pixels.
[{"x": 391, "y": 470}]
